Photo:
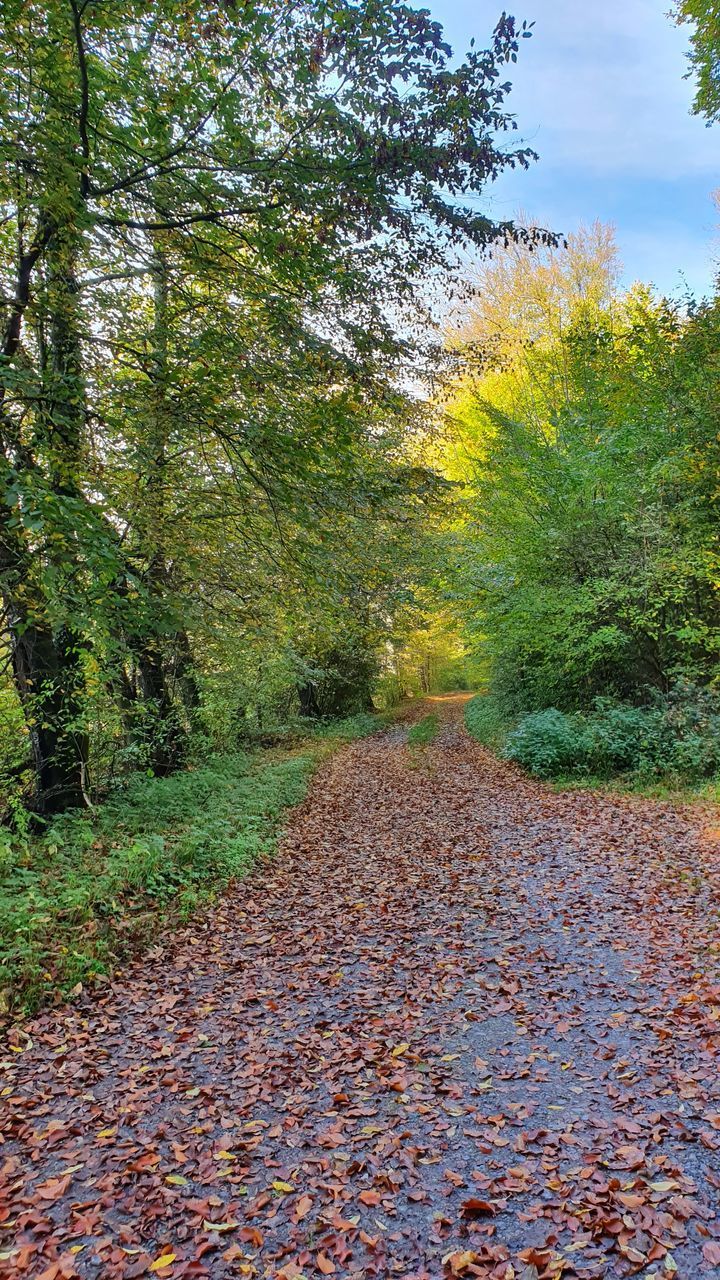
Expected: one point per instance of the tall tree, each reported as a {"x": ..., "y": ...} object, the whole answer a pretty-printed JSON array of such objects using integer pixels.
[
  {"x": 588, "y": 549},
  {"x": 205, "y": 203}
]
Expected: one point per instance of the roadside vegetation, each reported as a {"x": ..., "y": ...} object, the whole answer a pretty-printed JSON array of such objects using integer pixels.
[
  {"x": 586, "y": 551},
  {"x": 95, "y": 887},
  {"x": 671, "y": 743},
  {"x": 424, "y": 731}
]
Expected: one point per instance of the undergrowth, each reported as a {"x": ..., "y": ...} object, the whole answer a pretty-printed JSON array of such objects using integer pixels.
[
  {"x": 93, "y": 887},
  {"x": 670, "y": 745}
]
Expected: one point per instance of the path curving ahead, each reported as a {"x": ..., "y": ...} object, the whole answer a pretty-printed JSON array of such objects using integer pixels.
[{"x": 460, "y": 1025}]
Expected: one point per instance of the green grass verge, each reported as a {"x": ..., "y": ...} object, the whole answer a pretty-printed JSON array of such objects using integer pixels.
[
  {"x": 97, "y": 886},
  {"x": 485, "y": 722},
  {"x": 422, "y": 733}
]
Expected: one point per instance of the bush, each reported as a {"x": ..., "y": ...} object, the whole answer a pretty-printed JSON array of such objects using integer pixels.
[
  {"x": 676, "y": 737},
  {"x": 549, "y": 743},
  {"x": 623, "y": 739},
  {"x": 350, "y": 729}
]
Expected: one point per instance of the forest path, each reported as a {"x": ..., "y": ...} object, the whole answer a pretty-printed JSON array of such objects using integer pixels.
[{"x": 457, "y": 1014}]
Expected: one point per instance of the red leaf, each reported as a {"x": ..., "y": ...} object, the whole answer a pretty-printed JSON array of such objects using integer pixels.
[{"x": 474, "y": 1208}]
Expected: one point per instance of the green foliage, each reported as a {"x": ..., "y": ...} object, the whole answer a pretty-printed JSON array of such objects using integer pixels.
[
  {"x": 548, "y": 744},
  {"x": 424, "y": 731},
  {"x": 351, "y": 728},
  {"x": 486, "y": 721},
  {"x": 588, "y": 556},
  {"x": 704, "y": 17},
  {"x": 676, "y": 738},
  {"x": 210, "y": 499},
  {"x": 78, "y": 898}
]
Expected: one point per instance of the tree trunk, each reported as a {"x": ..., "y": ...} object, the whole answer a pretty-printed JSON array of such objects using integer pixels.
[
  {"x": 309, "y": 705},
  {"x": 185, "y": 672},
  {"x": 45, "y": 669},
  {"x": 168, "y": 738}
]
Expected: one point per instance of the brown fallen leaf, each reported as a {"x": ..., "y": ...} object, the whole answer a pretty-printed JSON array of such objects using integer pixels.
[
  {"x": 369, "y": 1198},
  {"x": 630, "y": 1157},
  {"x": 251, "y": 1235},
  {"x": 475, "y": 1208},
  {"x": 303, "y": 1205}
]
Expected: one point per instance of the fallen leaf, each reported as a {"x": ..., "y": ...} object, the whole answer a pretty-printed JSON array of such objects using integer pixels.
[
  {"x": 164, "y": 1260},
  {"x": 302, "y": 1207}
]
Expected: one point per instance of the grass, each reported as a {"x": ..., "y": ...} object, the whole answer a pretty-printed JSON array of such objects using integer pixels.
[
  {"x": 95, "y": 887},
  {"x": 485, "y": 722},
  {"x": 423, "y": 732},
  {"x": 353, "y": 727}
]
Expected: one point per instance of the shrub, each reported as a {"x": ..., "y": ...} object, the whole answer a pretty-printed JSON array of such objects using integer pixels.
[
  {"x": 677, "y": 736},
  {"x": 549, "y": 743},
  {"x": 350, "y": 728},
  {"x": 625, "y": 739}
]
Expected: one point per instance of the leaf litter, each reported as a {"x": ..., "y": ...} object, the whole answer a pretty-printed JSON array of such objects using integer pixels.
[{"x": 461, "y": 1025}]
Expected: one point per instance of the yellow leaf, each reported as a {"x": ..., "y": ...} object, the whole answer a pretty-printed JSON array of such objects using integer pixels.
[
  {"x": 225, "y": 1155},
  {"x": 177, "y": 1180},
  {"x": 283, "y": 1186},
  {"x": 399, "y": 1050},
  {"x": 219, "y": 1226},
  {"x": 106, "y": 1133},
  {"x": 163, "y": 1261}
]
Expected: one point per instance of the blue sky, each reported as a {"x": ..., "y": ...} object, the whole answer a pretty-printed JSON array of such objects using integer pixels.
[{"x": 599, "y": 93}]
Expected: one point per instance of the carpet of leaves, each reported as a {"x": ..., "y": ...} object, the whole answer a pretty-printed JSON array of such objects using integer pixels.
[{"x": 460, "y": 1025}]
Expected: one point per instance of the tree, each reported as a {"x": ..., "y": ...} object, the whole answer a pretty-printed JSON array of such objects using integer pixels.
[
  {"x": 704, "y": 56},
  {"x": 589, "y": 540},
  {"x": 211, "y": 216}
]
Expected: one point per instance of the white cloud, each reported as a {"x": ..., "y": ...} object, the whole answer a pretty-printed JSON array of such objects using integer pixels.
[{"x": 600, "y": 86}]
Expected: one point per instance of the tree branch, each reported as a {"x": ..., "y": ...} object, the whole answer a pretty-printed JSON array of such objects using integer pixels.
[{"x": 84, "y": 100}]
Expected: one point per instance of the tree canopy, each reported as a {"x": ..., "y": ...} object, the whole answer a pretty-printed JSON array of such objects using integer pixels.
[{"x": 214, "y": 217}]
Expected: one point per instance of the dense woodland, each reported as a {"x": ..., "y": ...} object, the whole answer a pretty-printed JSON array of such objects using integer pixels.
[{"x": 255, "y": 478}]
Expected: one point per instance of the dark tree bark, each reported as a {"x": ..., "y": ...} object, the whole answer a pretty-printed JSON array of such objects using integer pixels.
[
  {"x": 309, "y": 706},
  {"x": 45, "y": 670}
]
